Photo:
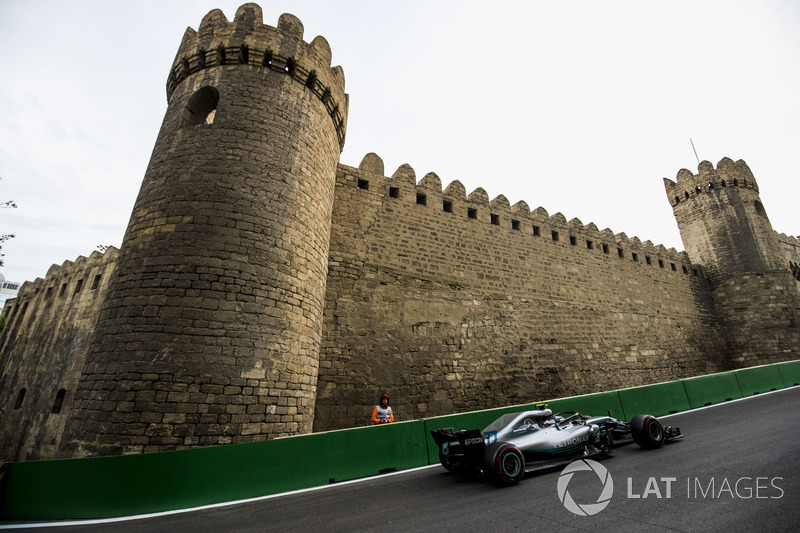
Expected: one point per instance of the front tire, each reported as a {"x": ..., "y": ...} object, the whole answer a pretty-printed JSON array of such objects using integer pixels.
[
  {"x": 505, "y": 463},
  {"x": 647, "y": 432}
]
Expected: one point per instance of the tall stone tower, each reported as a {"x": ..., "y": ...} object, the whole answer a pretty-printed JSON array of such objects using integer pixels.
[
  {"x": 725, "y": 228},
  {"x": 211, "y": 329}
]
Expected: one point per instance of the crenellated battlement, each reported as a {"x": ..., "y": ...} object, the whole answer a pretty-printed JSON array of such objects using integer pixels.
[
  {"x": 789, "y": 240},
  {"x": 791, "y": 247},
  {"x": 233, "y": 218},
  {"x": 726, "y": 174},
  {"x": 67, "y": 272},
  {"x": 248, "y": 42},
  {"x": 724, "y": 227},
  {"x": 519, "y": 219}
]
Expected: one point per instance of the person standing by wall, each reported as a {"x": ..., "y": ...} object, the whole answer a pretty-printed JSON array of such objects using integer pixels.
[{"x": 382, "y": 413}]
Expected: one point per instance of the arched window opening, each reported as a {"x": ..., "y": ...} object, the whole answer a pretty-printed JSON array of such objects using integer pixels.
[
  {"x": 59, "y": 401},
  {"x": 20, "y": 398},
  {"x": 759, "y": 208},
  {"x": 202, "y": 107}
]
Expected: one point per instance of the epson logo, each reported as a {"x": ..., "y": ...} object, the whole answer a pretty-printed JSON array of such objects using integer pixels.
[{"x": 475, "y": 440}]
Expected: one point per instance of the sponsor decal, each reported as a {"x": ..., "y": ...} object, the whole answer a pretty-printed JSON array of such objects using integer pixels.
[{"x": 571, "y": 442}]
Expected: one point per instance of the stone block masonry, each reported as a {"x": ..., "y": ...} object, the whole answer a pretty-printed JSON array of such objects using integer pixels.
[
  {"x": 725, "y": 227},
  {"x": 215, "y": 308},
  {"x": 454, "y": 303},
  {"x": 264, "y": 289},
  {"x": 791, "y": 247},
  {"x": 44, "y": 340}
]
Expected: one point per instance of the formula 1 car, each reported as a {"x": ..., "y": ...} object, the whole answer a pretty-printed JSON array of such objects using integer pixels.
[{"x": 520, "y": 443}]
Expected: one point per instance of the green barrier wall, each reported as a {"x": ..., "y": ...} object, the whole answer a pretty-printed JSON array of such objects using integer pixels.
[
  {"x": 758, "y": 379},
  {"x": 657, "y": 400},
  {"x": 790, "y": 372},
  {"x": 711, "y": 389},
  {"x": 597, "y": 404},
  {"x": 138, "y": 484}
]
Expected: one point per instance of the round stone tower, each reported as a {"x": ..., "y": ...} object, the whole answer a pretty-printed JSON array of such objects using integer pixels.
[
  {"x": 211, "y": 329},
  {"x": 725, "y": 228}
]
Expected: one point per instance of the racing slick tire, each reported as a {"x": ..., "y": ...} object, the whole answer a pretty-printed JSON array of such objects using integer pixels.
[
  {"x": 504, "y": 463},
  {"x": 647, "y": 432}
]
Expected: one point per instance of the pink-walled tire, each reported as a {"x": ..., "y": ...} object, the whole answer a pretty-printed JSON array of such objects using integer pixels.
[
  {"x": 647, "y": 432},
  {"x": 504, "y": 463}
]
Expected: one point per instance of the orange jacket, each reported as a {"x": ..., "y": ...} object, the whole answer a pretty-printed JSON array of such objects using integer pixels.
[{"x": 381, "y": 415}]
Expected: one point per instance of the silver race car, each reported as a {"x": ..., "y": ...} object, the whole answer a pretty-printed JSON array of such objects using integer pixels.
[{"x": 519, "y": 443}]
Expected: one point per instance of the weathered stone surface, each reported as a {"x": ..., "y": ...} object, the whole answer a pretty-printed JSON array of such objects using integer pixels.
[
  {"x": 264, "y": 290},
  {"x": 221, "y": 275},
  {"x": 752, "y": 271},
  {"x": 44, "y": 344}
]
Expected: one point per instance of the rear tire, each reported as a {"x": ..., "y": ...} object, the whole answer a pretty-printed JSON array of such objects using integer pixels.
[
  {"x": 647, "y": 432},
  {"x": 505, "y": 463},
  {"x": 445, "y": 461}
]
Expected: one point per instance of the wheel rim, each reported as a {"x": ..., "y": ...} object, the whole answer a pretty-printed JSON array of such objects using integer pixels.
[
  {"x": 511, "y": 464},
  {"x": 655, "y": 431}
]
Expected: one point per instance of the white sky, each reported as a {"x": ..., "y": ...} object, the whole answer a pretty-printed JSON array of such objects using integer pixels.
[{"x": 579, "y": 107}]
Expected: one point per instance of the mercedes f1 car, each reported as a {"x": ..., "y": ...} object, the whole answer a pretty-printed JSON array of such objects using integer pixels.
[{"x": 520, "y": 443}]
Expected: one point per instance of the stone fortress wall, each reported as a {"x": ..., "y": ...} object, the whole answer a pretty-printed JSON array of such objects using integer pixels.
[
  {"x": 417, "y": 305},
  {"x": 214, "y": 314},
  {"x": 725, "y": 227},
  {"x": 44, "y": 342},
  {"x": 791, "y": 247},
  {"x": 273, "y": 291},
  {"x": 453, "y": 302}
]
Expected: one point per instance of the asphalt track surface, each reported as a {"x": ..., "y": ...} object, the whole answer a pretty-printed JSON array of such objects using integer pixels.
[{"x": 737, "y": 469}]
